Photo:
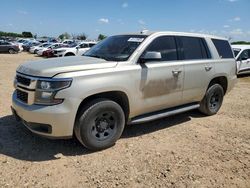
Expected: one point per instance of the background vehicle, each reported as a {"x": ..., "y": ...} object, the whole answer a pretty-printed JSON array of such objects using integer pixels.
[
  {"x": 26, "y": 47},
  {"x": 131, "y": 78},
  {"x": 9, "y": 47},
  {"x": 73, "y": 51},
  {"x": 68, "y": 42},
  {"x": 34, "y": 49},
  {"x": 50, "y": 51},
  {"x": 242, "y": 55},
  {"x": 51, "y": 46}
]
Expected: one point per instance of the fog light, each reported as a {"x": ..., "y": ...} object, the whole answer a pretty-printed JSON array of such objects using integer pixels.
[{"x": 46, "y": 95}]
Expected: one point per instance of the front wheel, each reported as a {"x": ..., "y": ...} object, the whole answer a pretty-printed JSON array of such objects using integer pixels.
[
  {"x": 100, "y": 124},
  {"x": 12, "y": 51},
  {"x": 212, "y": 101}
]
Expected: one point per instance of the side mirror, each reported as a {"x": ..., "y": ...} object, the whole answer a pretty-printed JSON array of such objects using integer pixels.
[
  {"x": 151, "y": 56},
  {"x": 77, "y": 47}
]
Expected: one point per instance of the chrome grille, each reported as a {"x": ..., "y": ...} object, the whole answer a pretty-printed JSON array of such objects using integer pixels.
[{"x": 23, "y": 80}]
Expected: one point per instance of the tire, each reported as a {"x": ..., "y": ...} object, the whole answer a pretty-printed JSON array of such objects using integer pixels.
[
  {"x": 35, "y": 51},
  {"x": 11, "y": 51},
  {"x": 69, "y": 54},
  {"x": 212, "y": 101},
  {"x": 99, "y": 124}
]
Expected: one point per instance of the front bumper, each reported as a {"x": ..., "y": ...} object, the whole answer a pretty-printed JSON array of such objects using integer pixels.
[{"x": 51, "y": 121}]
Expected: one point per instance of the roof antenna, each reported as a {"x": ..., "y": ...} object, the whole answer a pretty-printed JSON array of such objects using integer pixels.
[{"x": 144, "y": 31}]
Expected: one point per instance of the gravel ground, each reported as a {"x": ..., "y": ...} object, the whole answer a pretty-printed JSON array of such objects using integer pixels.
[{"x": 187, "y": 150}]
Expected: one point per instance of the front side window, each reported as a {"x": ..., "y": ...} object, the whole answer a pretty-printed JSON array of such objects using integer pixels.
[
  {"x": 236, "y": 51},
  {"x": 223, "y": 48},
  {"x": 116, "y": 48},
  {"x": 84, "y": 45},
  {"x": 166, "y": 46},
  {"x": 193, "y": 48}
]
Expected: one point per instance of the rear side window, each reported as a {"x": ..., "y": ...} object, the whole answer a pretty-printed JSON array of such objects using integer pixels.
[
  {"x": 193, "y": 48},
  {"x": 166, "y": 46},
  {"x": 223, "y": 48}
]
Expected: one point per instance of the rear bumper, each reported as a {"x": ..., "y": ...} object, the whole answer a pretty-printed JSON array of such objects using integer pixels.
[{"x": 50, "y": 121}]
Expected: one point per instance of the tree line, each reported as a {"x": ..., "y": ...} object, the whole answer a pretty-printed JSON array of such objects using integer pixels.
[
  {"x": 24, "y": 34},
  {"x": 81, "y": 36},
  {"x": 63, "y": 36}
]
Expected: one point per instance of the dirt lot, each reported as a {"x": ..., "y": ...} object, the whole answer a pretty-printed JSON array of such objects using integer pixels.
[{"x": 187, "y": 150}]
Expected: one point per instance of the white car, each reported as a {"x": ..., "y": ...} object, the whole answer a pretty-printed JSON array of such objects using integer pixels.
[
  {"x": 242, "y": 55},
  {"x": 78, "y": 50},
  {"x": 34, "y": 49},
  {"x": 51, "y": 46}
]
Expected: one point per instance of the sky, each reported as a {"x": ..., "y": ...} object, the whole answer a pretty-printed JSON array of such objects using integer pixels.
[{"x": 227, "y": 18}]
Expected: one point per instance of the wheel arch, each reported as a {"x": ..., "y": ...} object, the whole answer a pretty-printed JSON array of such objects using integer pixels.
[
  {"x": 69, "y": 54},
  {"x": 119, "y": 97},
  {"x": 222, "y": 80}
]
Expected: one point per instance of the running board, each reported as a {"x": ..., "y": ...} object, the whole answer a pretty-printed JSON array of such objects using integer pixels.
[{"x": 163, "y": 113}]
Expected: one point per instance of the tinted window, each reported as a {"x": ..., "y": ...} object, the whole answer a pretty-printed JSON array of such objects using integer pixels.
[
  {"x": 245, "y": 55},
  {"x": 84, "y": 45},
  {"x": 223, "y": 48},
  {"x": 193, "y": 48},
  {"x": 166, "y": 46},
  {"x": 91, "y": 44}
]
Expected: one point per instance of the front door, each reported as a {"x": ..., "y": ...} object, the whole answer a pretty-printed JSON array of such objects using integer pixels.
[{"x": 162, "y": 80}]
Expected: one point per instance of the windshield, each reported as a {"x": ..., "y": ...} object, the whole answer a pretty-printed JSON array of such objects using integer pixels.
[
  {"x": 236, "y": 51},
  {"x": 45, "y": 45},
  {"x": 116, "y": 48}
]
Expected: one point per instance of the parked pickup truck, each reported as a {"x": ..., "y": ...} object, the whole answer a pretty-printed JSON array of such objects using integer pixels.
[{"x": 124, "y": 79}]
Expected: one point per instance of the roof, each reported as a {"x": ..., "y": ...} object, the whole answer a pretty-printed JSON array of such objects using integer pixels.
[
  {"x": 242, "y": 47},
  {"x": 146, "y": 32}
]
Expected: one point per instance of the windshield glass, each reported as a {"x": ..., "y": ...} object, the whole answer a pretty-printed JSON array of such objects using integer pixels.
[
  {"x": 45, "y": 45},
  {"x": 116, "y": 48},
  {"x": 236, "y": 51}
]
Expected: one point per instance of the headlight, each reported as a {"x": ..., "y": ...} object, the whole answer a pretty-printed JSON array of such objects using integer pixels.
[{"x": 47, "y": 89}]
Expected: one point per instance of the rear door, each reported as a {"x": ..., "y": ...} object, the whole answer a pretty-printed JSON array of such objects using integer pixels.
[{"x": 198, "y": 67}]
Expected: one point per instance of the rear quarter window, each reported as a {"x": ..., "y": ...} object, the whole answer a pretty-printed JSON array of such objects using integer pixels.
[{"x": 223, "y": 48}]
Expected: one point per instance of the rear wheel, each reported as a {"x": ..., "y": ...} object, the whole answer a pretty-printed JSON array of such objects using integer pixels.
[
  {"x": 212, "y": 101},
  {"x": 100, "y": 124}
]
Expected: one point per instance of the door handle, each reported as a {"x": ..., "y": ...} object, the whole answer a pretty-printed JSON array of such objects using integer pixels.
[
  {"x": 208, "y": 68},
  {"x": 176, "y": 72}
]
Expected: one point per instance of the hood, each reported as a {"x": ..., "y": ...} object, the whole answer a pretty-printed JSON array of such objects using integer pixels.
[{"x": 51, "y": 67}]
